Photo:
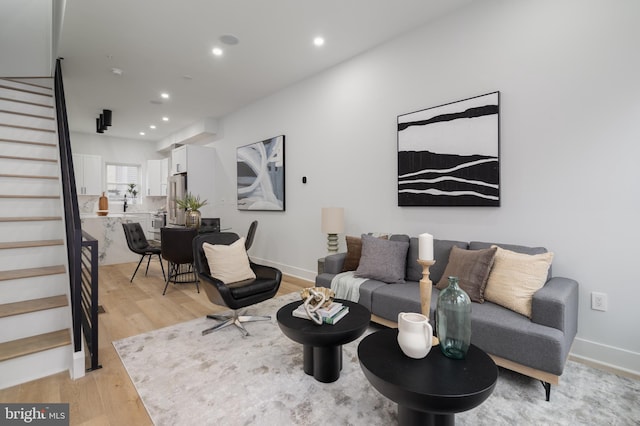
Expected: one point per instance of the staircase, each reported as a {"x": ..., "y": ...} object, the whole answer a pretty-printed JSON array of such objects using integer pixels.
[{"x": 35, "y": 317}]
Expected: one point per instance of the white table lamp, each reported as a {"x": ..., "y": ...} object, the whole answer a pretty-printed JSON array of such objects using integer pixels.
[{"x": 332, "y": 225}]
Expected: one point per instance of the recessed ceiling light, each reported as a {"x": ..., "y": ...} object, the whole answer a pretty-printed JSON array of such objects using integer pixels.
[
  {"x": 141, "y": 133},
  {"x": 164, "y": 95},
  {"x": 165, "y": 118},
  {"x": 153, "y": 126},
  {"x": 216, "y": 51},
  {"x": 229, "y": 39},
  {"x": 318, "y": 41}
]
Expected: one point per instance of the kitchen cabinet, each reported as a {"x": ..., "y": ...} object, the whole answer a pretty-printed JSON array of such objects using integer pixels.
[
  {"x": 157, "y": 173},
  {"x": 88, "y": 172},
  {"x": 179, "y": 160}
]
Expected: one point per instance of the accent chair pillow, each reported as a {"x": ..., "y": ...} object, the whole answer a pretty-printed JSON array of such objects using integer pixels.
[
  {"x": 515, "y": 277},
  {"x": 382, "y": 260},
  {"x": 228, "y": 263},
  {"x": 472, "y": 268}
]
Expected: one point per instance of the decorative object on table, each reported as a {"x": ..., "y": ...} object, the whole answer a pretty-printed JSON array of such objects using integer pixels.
[
  {"x": 453, "y": 320},
  {"x": 425, "y": 259},
  {"x": 260, "y": 173},
  {"x": 315, "y": 298},
  {"x": 133, "y": 192},
  {"x": 329, "y": 314},
  {"x": 192, "y": 204},
  {"x": 103, "y": 205},
  {"x": 414, "y": 334},
  {"x": 449, "y": 155},
  {"x": 332, "y": 224}
]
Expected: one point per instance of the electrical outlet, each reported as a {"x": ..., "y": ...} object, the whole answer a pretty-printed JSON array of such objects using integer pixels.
[{"x": 598, "y": 301}]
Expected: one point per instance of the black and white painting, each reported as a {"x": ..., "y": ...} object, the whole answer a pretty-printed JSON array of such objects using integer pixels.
[
  {"x": 449, "y": 155},
  {"x": 260, "y": 168}
]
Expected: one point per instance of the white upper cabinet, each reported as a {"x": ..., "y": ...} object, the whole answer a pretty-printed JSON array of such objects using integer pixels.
[
  {"x": 179, "y": 160},
  {"x": 88, "y": 172},
  {"x": 157, "y": 177}
]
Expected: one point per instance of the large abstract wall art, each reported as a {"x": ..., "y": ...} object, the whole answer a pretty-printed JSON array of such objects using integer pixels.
[
  {"x": 449, "y": 155},
  {"x": 260, "y": 168}
]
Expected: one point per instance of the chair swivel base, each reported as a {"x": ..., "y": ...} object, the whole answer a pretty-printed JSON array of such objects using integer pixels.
[{"x": 234, "y": 319}]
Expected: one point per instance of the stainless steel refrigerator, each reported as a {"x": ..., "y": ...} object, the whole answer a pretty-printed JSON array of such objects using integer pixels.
[{"x": 177, "y": 189}]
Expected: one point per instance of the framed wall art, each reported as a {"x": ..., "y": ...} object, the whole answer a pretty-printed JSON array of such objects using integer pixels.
[
  {"x": 260, "y": 170},
  {"x": 449, "y": 155}
]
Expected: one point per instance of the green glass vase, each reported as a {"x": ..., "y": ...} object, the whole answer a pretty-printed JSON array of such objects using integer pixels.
[{"x": 453, "y": 320}]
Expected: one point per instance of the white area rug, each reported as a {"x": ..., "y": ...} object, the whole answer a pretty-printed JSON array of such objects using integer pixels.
[{"x": 185, "y": 378}]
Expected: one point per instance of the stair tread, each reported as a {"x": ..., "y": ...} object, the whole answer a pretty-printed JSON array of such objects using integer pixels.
[
  {"x": 24, "y": 114},
  {"x": 27, "y": 176},
  {"x": 52, "y": 145},
  {"x": 14, "y": 157},
  {"x": 27, "y": 244},
  {"x": 35, "y": 129},
  {"x": 31, "y": 272},
  {"x": 34, "y": 305},
  {"x": 33, "y": 344},
  {"x": 28, "y": 196},
  {"x": 29, "y": 218}
]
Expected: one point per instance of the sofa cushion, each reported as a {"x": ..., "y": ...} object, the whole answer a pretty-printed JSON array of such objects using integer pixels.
[
  {"x": 515, "y": 277},
  {"x": 414, "y": 269},
  {"x": 441, "y": 250},
  {"x": 477, "y": 245},
  {"x": 354, "y": 251},
  {"x": 472, "y": 269},
  {"x": 228, "y": 263},
  {"x": 382, "y": 260}
]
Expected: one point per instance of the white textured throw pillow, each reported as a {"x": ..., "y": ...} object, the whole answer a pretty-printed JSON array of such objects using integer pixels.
[
  {"x": 228, "y": 263},
  {"x": 515, "y": 277}
]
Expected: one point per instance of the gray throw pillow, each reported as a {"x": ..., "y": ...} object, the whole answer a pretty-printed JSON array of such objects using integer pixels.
[{"x": 382, "y": 260}]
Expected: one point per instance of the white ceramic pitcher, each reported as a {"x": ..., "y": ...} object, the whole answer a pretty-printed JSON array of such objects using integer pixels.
[{"x": 414, "y": 334}]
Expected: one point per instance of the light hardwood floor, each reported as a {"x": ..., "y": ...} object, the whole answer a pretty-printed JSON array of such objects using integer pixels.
[{"x": 107, "y": 396}]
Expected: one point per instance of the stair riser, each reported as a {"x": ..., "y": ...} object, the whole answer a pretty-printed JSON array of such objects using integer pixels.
[
  {"x": 23, "y": 96},
  {"x": 27, "y": 150},
  {"x": 34, "y": 323},
  {"x": 10, "y": 207},
  {"x": 26, "y": 108},
  {"x": 26, "y": 121},
  {"x": 32, "y": 257},
  {"x": 30, "y": 84},
  {"x": 27, "y": 135},
  {"x": 28, "y": 167},
  {"x": 27, "y": 231},
  {"x": 27, "y": 368},
  {"x": 25, "y": 186},
  {"x": 33, "y": 288}
]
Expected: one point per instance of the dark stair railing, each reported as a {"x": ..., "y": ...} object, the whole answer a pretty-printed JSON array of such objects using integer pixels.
[{"x": 82, "y": 249}]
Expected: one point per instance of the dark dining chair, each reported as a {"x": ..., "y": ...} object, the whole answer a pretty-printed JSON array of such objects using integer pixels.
[
  {"x": 235, "y": 295},
  {"x": 175, "y": 245},
  {"x": 209, "y": 224},
  {"x": 137, "y": 243},
  {"x": 250, "y": 234}
]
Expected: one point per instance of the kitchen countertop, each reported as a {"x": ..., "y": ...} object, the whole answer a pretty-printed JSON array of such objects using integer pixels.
[{"x": 113, "y": 214}]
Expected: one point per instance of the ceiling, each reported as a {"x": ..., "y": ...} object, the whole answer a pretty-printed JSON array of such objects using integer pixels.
[{"x": 166, "y": 46}]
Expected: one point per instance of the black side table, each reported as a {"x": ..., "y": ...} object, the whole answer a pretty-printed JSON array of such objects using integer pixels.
[
  {"x": 428, "y": 391},
  {"x": 322, "y": 344}
]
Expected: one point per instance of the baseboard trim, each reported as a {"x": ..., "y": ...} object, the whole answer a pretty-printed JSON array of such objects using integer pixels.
[
  {"x": 608, "y": 358},
  {"x": 291, "y": 271}
]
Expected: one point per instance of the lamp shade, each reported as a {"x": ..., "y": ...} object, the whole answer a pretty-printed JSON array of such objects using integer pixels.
[{"x": 332, "y": 220}]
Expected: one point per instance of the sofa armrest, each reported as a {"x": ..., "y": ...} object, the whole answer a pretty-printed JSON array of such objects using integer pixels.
[
  {"x": 333, "y": 263},
  {"x": 556, "y": 305}
]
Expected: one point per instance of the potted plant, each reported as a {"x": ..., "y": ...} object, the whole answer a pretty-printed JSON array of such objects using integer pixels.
[
  {"x": 132, "y": 191},
  {"x": 192, "y": 204}
]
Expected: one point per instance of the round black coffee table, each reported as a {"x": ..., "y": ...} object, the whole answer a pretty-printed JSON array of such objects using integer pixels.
[
  {"x": 428, "y": 391},
  {"x": 322, "y": 344}
]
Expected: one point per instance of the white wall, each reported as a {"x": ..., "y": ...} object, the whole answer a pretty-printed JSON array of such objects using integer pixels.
[{"x": 570, "y": 101}]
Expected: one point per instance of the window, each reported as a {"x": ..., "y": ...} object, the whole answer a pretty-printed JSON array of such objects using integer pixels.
[{"x": 119, "y": 177}]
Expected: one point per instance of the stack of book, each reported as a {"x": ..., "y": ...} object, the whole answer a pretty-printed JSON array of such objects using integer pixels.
[{"x": 330, "y": 314}]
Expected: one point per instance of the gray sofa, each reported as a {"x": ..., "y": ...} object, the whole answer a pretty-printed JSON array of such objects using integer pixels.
[{"x": 537, "y": 347}]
